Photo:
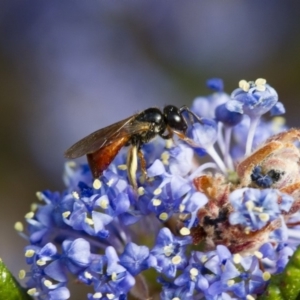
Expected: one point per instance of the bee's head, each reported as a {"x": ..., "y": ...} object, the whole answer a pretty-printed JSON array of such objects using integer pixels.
[{"x": 174, "y": 119}]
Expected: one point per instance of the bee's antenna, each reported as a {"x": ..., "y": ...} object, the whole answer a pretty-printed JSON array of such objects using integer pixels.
[{"x": 187, "y": 109}]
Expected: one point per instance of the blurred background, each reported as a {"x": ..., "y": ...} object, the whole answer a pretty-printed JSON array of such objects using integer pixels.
[{"x": 68, "y": 68}]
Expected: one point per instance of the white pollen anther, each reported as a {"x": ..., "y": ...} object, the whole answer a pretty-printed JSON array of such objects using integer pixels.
[
  {"x": 104, "y": 203},
  {"x": 40, "y": 262},
  {"x": 176, "y": 260},
  {"x": 249, "y": 297},
  {"x": 75, "y": 195},
  {"x": 71, "y": 164},
  {"x": 39, "y": 195},
  {"x": 141, "y": 191},
  {"x": 163, "y": 216},
  {"x": 230, "y": 282},
  {"x": 194, "y": 272},
  {"x": 110, "y": 296},
  {"x": 29, "y": 253},
  {"x": 97, "y": 295},
  {"x": 244, "y": 85},
  {"x": 122, "y": 167},
  {"x": 237, "y": 258},
  {"x": 114, "y": 276},
  {"x": 266, "y": 276},
  {"x": 22, "y": 274},
  {"x": 19, "y": 226},
  {"x": 169, "y": 143},
  {"x": 258, "y": 254},
  {"x": 203, "y": 258},
  {"x": 32, "y": 291},
  {"x": 97, "y": 184},
  {"x": 247, "y": 230},
  {"x": 66, "y": 214},
  {"x": 156, "y": 202},
  {"x": 88, "y": 275},
  {"x": 157, "y": 191},
  {"x": 33, "y": 207},
  {"x": 89, "y": 221},
  {"x": 168, "y": 250},
  {"x": 29, "y": 215},
  {"x": 260, "y": 81},
  {"x": 165, "y": 157},
  {"x": 250, "y": 205},
  {"x": 47, "y": 283},
  {"x": 184, "y": 231},
  {"x": 264, "y": 217}
]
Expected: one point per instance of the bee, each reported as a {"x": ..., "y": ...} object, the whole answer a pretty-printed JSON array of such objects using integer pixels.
[{"x": 102, "y": 146}]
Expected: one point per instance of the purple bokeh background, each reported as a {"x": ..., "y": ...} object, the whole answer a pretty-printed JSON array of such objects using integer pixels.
[{"x": 68, "y": 68}]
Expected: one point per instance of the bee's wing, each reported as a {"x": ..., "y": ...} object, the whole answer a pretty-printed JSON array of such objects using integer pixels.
[{"x": 106, "y": 136}]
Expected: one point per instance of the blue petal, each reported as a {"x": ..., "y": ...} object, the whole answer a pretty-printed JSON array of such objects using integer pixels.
[
  {"x": 100, "y": 220},
  {"x": 229, "y": 271},
  {"x": 48, "y": 250},
  {"x": 134, "y": 258},
  {"x": 156, "y": 169},
  {"x": 229, "y": 118},
  {"x": 235, "y": 106},
  {"x": 278, "y": 109},
  {"x": 215, "y": 84},
  {"x": 78, "y": 252},
  {"x": 61, "y": 293},
  {"x": 204, "y": 134},
  {"x": 56, "y": 271},
  {"x": 223, "y": 252},
  {"x": 268, "y": 251},
  {"x": 202, "y": 283}
]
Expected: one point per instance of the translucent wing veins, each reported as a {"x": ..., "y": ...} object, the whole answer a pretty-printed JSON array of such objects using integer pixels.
[{"x": 106, "y": 136}]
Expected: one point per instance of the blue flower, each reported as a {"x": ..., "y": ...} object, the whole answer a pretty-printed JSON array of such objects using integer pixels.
[
  {"x": 253, "y": 98},
  {"x": 169, "y": 252},
  {"x": 76, "y": 254},
  {"x": 204, "y": 134},
  {"x": 172, "y": 291},
  {"x": 227, "y": 117},
  {"x": 136, "y": 258},
  {"x": 47, "y": 280},
  {"x": 254, "y": 208},
  {"x": 118, "y": 279},
  {"x": 238, "y": 275},
  {"x": 195, "y": 276},
  {"x": 95, "y": 230},
  {"x": 48, "y": 216}
]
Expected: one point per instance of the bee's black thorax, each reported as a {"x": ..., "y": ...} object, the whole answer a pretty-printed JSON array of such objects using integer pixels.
[{"x": 156, "y": 119}]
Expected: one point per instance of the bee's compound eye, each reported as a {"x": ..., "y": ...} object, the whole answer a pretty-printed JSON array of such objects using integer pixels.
[{"x": 174, "y": 118}]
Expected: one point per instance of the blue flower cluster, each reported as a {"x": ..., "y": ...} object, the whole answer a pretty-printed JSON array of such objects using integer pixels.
[{"x": 216, "y": 234}]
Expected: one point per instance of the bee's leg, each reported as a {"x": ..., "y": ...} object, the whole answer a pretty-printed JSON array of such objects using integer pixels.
[
  {"x": 168, "y": 135},
  {"x": 143, "y": 164},
  {"x": 187, "y": 109},
  {"x": 132, "y": 164}
]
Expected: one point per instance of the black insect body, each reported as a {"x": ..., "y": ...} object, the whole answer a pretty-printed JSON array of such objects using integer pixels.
[{"x": 103, "y": 145}]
